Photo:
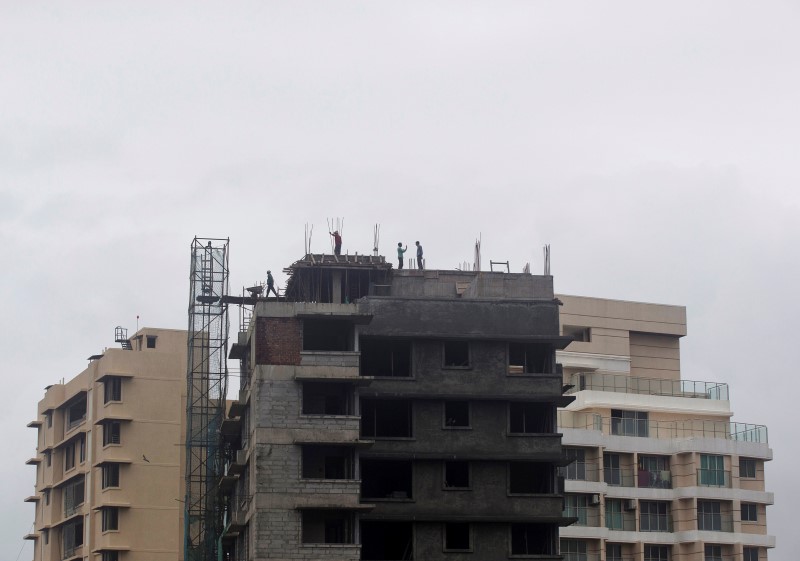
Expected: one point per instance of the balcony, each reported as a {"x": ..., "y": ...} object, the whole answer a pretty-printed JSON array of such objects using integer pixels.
[
  {"x": 624, "y": 522},
  {"x": 619, "y": 477},
  {"x": 587, "y": 516},
  {"x": 660, "y": 479},
  {"x": 713, "y": 522},
  {"x": 580, "y": 471},
  {"x": 235, "y": 516},
  {"x": 713, "y": 478},
  {"x": 620, "y": 383},
  {"x": 348, "y": 359}
]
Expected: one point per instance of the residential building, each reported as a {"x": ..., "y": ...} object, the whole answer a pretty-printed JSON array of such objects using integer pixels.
[
  {"x": 660, "y": 470},
  {"x": 109, "y": 455},
  {"x": 396, "y": 415}
]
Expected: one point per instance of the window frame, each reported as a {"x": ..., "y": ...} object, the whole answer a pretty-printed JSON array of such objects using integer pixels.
[
  {"x": 109, "y": 476},
  {"x": 752, "y": 512},
  {"x": 112, "y": 433},
  {"x": 744, "y": 468},
  {"x": 109, "y": 519},
  {"x": 748, "y": 551},
  {"x": 112, "y": 389},
  {"x": 446, "y": 487},
  {"x": 655, "y": 552},
  {"x": 446, "y": 424}
]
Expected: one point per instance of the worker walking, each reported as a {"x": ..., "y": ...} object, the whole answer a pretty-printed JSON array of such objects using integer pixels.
[
  {"x": 419, "y": 255},
  {"x": 400, "y": 252},
  {"x": 271, "y": 285},
  {"x": 337, "y": 242}
]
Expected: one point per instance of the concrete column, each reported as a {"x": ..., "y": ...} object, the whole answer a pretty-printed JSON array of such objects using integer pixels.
[{"x": 337, "y": 287}]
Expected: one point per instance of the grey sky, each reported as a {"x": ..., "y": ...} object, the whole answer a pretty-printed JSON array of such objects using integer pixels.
[{"x": 653, "y": 145}]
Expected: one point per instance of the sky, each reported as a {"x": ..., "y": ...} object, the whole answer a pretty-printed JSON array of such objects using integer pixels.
[{"x": 654, "y": 146}]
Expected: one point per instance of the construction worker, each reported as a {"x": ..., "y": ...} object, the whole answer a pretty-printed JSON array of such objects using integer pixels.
[
  {"x": 270, "y": 285},
  {"x": 337, "y": 242},
  {"x": 400, "y": 252}
]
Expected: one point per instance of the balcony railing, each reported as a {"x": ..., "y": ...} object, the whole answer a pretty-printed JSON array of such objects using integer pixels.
[
  {"x": 713, "y": 478},
  {"x": 580, "y": 471},
  {"x": 581, "y": 556},
  {"x": 659, "y": 479},
  {"x": 618, "y": 477},
  {"x": 715, "y": 522},
  {"x": 587, "y": 516},
  {"x": 621, "y": 383},
  {"x": 688, "y": 428},
  {"x": 625, "y": 522},
  {"x": 655, "y": 523}
]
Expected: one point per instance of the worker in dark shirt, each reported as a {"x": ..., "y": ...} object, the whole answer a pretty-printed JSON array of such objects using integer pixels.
[
  {"x": 419, "y": 255},
  {"x": 271, "y": 285},
  {"x": 337, "y": 242}
]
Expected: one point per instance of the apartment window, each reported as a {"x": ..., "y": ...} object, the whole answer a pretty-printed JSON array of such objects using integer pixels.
[
  {"x": 573, "y": 550},
  {"x": 576, "y": 470},
  {"x": 327, "y": 399},
  {"x": 530, "y": 478},
  {"x": 46, "y": 535},
  {"x": 456, "y": 474},
  {"x": 455, "y": 354},
  {"x": 386, "y": 418},
  {"x": 747, "y": 468},
  {"x": 72, "y": 537},
  {"x": 614, "y": 517},
  {"x": 749, "y": 553},
  {"x": 383, "y": 540},
  {"x": 48, "y": 417},
  {"x": 530, "y": 418},
  {"x": 327, "y": 526},
  {"x": 110, "y": 556},
  {"x": 749, "y": 512},
  {"x": 532, "y": 539},
  {"x": 112, "y": 432},
  {"x": 456, "y": 414},
  {"x": 47, "y": 496},
  {"x": 529, "y": 359},
  {"x": 577, "y": 506},
  {"x": 712, "y": 471},
  {"x": 69, "y": 456},
  {"x": 327, "y": 335},
  {"x": 629, "y": 423},
  {"x": 151, "y": 341},
  {"x": 713, "y": 552},
  {"x": 654, "y": 472},
  {"x": 386, "y": 479},
  {"x": 385, "y": 357},
  {"x": 327, "y": 462},
  {"x": 74, "y": 493},
  {"x": 110, "y": 474},
  {"x": 110, "y": 518},
  {"x": 112, "y": 389},
  {"x": 656, "y": 552},
  {"x": 578, "y": 333},
  {"x": 457, "y": 536},
  {"x": 654, "y": 516},
  {"x": 81, "y": 445},
  {"x": 611, "y": 470},
  {"x": 613, "y": 552},
  {"x": 76, "y": 412},
  {"x": 709, "y": 516},
  {"x": 48, "y": 458}
]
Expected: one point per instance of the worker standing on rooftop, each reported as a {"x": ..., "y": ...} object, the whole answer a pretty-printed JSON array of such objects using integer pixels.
[
  {"x": 337, "y": 242},
  {"x": 400, "y": 252},
  {"x": 419, "y": 255},
  {"x": 271, "y": 285}
]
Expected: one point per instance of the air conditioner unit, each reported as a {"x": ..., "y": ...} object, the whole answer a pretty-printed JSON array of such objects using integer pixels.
[
  {"x": 630, "y": 504},
  {"x": 595, "y": 500}
]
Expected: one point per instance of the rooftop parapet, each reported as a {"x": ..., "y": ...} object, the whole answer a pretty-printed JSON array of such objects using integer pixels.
[
  {"x": 467, "y": 285},
  {"x": 622, "y": 383}
]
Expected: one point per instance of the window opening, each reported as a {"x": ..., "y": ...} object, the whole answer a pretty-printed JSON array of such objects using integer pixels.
[
  {"x": 385, "y": 357},
  {"x": 749, "y": 553},
  {"x": 457, "y": 536},
  {"x": 151, "y": 341},
  {"x": 386, "y": 479},
  {"x": 611, "y": 470},
  {"x": 747, "y": 468},
  {"x": 72, "y": 537},
  {"x": 456, "y": 474},
  {"x": 577, "y": 506},
  {"x": 578, "y": 333},
  {"x": 321, "y": 398},
  {"x": 386, "y": 418},
  {"x": 530, "y": 418},
  {"x": 112, "y": 389},
  {"x": 629, "y": 423},
  {"x": 74, "y": 493},
  {"x": 654, "y": 472},
  {"x": 327, "y": 335},
  {"x": 327, "y": 526},
  {"x": 110, "y": 475},
  {"x": 110, "y": 518},
  {"x": 654, "y": 516},
  {"x": 575, "y": 471},
  {"x": 456, "y": 414},
  {"x": 656, "y": 552},
  {"x": 749, "y": 512},
  {"x": 384, "y": 541},
  {"x": 573, "y": 550},
  {"x": 76, "y": 412},
  {"x": 713, "y": 552},
  {"x": 613, "y": 552},
  {"x": 327, "y": 462},
  {"x": 530, "y": 478},
  {"x": 709, "y": 515},
  {"x": 530, "y": 358},
  {"x": 112, "y": 432},
  {"x": 532, "y": 539},
  {"x": 456, "y": 354}
]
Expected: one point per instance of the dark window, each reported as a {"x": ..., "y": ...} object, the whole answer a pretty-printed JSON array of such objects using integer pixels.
[
  {"x": 709, "y": 516},
  {"x": 110, "y": 518},
  {"x": 530, "y": 418},
  {"x": 74, "y": 494},
  {"x": 327, "y": 399},
  {"x": 456, "y": 354},
  {"x": 532, "y": 539},
  {"x": 383, "y": 541},
  {"x": 612, "y": 473},
  {"x": 110, "y": 556},
  {"x": 530, "y": 478},
  {"x": 456, "y": 414},
  {"x": 457, "y": 536},
  {"x": 327, "y": 335},
  {"x": 76, "y": 412},
  {"x": 46, "y": 535},
  {"x": 385, "y": 357},
  {"x": 654, "y": 472},
  {"x": 578, "y": 333},
  {"x": 749, "y": 553},
  {"x": 654, "y": 516},
  {"x": 529, "y": 358},
  {"x": 81, "y": 445},
  {"x": 49, "y": 418},
  {"x": 656, "y": 552},
  {"x": 713, "y": 552},
  {"x": 456, "y": 474},
  {"x": 48, "y": 457},
  {"x": 47, "y": 496},
  {"x": 112, "y": 432},
  {"x": 110, "y": 475},
  {"x": 112, "y": 389},
  {"x": 327, "y": 526},
  {"x": 747, "y": 468},
  {"x": 386, "y": 418},
  {"x": 573, "y": 550},
  {"x": 629, "y": 423},
  {"x": 327, "y": 462},
  {"x": 72, "y": 537},
  {"x": 749, "y": 512},
  {"x": 386, "y": 479},
  {"x": 69, "y": 456},
  {"x": 575, "y": 471},
  {"x": 151, "y": 341},
  {"x": 613, "y": 552}
]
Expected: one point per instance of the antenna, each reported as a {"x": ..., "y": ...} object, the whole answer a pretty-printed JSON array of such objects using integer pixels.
[
  {"x": 376, "y": 239},
  {"x": 477, "y": 265},
  {"x": 547, "y": 260}
]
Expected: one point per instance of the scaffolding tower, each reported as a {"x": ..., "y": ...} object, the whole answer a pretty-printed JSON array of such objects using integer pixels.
[{"x": 207, "y": 381}]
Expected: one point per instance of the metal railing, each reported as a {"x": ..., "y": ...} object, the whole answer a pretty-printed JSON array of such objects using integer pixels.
[
  {"x": 587, "y": 516},
  {"x": 655, "y": 522},
  {"x": 713, "y": 477},
  {"x": 622, "y": 383},
  {"x": 715, "y": 522},
  {"x": 580, "y": 471},
  {"x": 687, "y": 428}
]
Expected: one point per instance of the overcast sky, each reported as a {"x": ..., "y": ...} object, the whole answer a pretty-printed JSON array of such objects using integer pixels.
[{"x": 654, "y": 146}]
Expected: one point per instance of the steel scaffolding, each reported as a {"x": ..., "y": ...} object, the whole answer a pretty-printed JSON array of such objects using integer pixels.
[{"x": 207, "y": 381}]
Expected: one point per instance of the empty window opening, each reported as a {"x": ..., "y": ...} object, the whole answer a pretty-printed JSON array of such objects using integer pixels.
[
  {"x": 328, "y": 526},
  {"x": 384, "y": 541},
  {"x": 72, "y": 537},
  {"x": 457, "y": 536},
  {"x": 327, "y": 335},
  {"x": 578, "y": 333},
  {"x": 321, "y": 398},
  {"x": 74, "y": 494},
  {"x": 151, "y": 341},
  {"x": 110, "y": 518},
  {"x": 456, "y": 414},
  {"x": 531, "y": 418},
  {"x": 386, "y": 418},
  {"x": 530, "y": 478},
  {"x": 112, "y": 389},
  {"x": 386, "y": 479},
  {"x": 385, "y": 357},
  {"x": 456, "y": 474},
  {"x": 110, "y": 475},
  {"x": 629, "y": 423},
  {"x": 456, "y": 354},
  {"x": 530, "y": 358},
  {"x": 112, "y": 432},
  {"x": 76, "y": 412},
  {"x": 533, "y": 539},
  {"x": 327, "y": 462}
]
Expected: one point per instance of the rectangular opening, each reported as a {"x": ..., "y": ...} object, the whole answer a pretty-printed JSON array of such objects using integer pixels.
[
  {"x": 578, "y": 333},
  {"x": 110, "y": 473},
  {"x": 747, "y": 468},
  {"x": 385, "y": 357},
  {"x": 320, "y": 398},
  {"x": 74, "y": 495},
  {"x": 457, "y": 536},
  {"x": 112, "y": 432},
  {"x": 386, "y": 479},
  {"x": 531, "y": 418},
  {"x": 328, "y": 526},
  {"x": 76, "y": 412},
  {"x": 749, "y": 512},
  {"x": 151, "y": 341},
  {"x": 629, "y": 423},
  {"x": 327, "y": 462},
  {"x": 386, "y": 418},
  {"x": 530, "y": 358},
  {"x": 532, "y": 539},
  {"x": 112, "y": 389},
  {"x": 387, "y": 541},
  {"x": 573, "y": 550},
  {"x": 530, "y": 478},
  {"x": 654, "y": 516},
  {"x": 456, "y": 474},
  {"x": 327, "y": 335},
  {"x": 456, "y": 414},
  {"x": 110, "y": 556},
  {"x": 110, "y": 518},
  {"x": 455, "y": 354},
  {"x": 72, "y": 537},
  {"x": 750, "y": 553},
  {"x": 656, "y": 552}
]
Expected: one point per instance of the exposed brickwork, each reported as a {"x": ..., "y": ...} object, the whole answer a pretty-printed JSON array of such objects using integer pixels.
[{"x": 278, "y": 340}]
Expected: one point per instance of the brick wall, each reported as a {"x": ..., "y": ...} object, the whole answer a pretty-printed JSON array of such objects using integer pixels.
[{"x": 278, "y": 340}]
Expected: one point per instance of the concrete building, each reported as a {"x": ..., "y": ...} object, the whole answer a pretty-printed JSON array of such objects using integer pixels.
[
  {"x": 660, "y": 470},
  {"x": 109, "y": 455},
  {"x": 396, "y": 415}
]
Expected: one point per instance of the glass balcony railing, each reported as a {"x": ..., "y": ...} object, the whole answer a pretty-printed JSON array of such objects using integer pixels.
[
  {"x": 622, "y": 383},
  {"x": 580, "y": 471},
  {"x": 687, "y": 428},
  {"x": 625, "y": 522},
  {"x": 713, "y": 478},
  {"x": 714, "y": 522},
  {"x": 655, "y": 523},
  {"x": 587, "y": 516},
  {"x": 618, "y": 477}
]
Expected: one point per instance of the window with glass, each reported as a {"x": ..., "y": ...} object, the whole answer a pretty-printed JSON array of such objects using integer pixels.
[
  {"x": 573, "y": 550},
  {"x": 749, "y": 553},
  {"x": 709, "y": 516},
  {"x": 654, "y": 472},
  {"x": 613, "y": 552},
  {"x": 577, "y": 506},
  {"x": 74, "y": 494},
  {"x": 76, "y": 412},
  {"x": 112, "y": 432},
  {"x": 712, "y": 470},
  {"x": 110, "y": 520},
  {"x": 614, "y": 519},
  {"x": 656, "y": 552},
  {"x": 713, "y": 552},
  {"x": 110, "y": 475},
  {"x": 110, "y": 556},
  {"x": 749, "y": 512},
  {"x": 112, "y": 389},
  {"x": 69, "y": 457},
  {"x": 575, "y": 471},
  {"x": 747, "y": 468},
  {"x": 611, "y": 470},
  {"x": 629, "y": 423},
  {"x": 654, "y": 516}
]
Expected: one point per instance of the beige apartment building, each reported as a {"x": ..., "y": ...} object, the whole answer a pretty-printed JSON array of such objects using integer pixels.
[
  {"x": 109, "y": 465},
  {"x": 661, "y": 472}
]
